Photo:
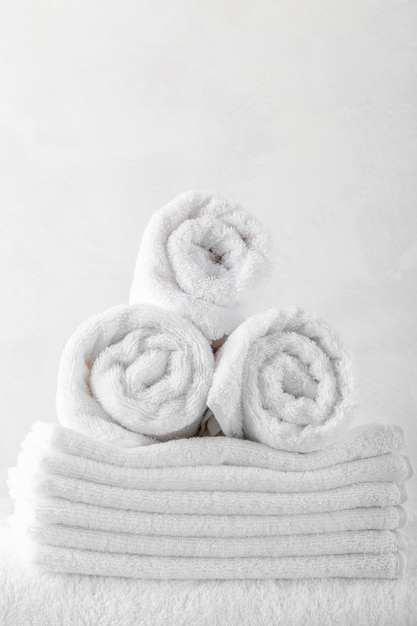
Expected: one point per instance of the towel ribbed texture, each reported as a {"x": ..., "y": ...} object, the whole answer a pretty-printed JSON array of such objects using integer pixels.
[{"x": 212, "y": 507}]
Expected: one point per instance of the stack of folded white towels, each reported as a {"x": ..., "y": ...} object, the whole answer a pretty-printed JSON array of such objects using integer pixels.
[{"x": 193, "y": 444}]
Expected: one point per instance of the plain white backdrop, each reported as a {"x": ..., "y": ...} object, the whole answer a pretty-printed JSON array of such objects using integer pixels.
[{"x": 304, "y": 112}]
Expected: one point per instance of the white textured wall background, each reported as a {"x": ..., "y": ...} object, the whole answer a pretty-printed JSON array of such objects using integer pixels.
[{"x": 304, "y": 112}]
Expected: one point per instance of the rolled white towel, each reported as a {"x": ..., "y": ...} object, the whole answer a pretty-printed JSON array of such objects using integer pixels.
[
  {"x": 283, "y": 378},
  {"x": 132, "y": 372},
  {"x": 200, "y": 255}
]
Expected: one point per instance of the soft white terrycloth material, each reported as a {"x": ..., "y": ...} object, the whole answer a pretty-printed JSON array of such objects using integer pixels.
[
  {"x": 359, "y": 443},
  {"x": 47, "y": 511},
  {"x": 200, "y": 255},
  {"x": 26, "y": 597},
  {"x": 36, "y": 458},
  {"x": 134, "y": 371},
  {"x": 383, "y": 468},
  {"x": 350, "y": 542},
  {"x": 376, "y": 494},
  {"x": 82, "y": 515},
  {"x": 283, "y": 378},
  {"x": 46, "y": 469},
  {"x": 71, "y": 560}
]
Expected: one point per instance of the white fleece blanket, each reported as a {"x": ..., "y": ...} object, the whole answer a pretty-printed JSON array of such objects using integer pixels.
[
  {"x": 200, "y": 255},
  {"x": 283, "y": 378},
  {"x": 133, "y": 371}
]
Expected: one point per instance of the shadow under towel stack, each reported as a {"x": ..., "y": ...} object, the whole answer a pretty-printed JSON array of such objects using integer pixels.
[
  {"x": 131, "y": 483},
  {"x": 212, "y": 508}
]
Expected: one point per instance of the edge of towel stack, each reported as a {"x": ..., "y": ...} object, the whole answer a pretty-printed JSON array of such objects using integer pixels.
[{"x": 83, "y": 515}]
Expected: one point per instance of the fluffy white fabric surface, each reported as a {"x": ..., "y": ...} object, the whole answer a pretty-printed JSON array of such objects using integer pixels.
[
  {"x": 36, "y": 462},
  {"x": 75, "y": 511},
  {"x": 74, "y": 561},
  {"x": 134, "y": 371},
  {"x": 283, "y": 378},
  {"x": 312, "y": 544},
  {"x": 200, "y": 255},
  {"x": 359, "y": 443},
  {"x": 210, "y": 502},
  {"x": 382, "y": 468},
  {"x": 72, "y": 600},
  {"x": 45, "y": 470},
  {"x": 66, "y": 512}
]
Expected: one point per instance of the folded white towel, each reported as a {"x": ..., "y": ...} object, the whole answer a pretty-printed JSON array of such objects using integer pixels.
[
  {"x": 124, "y": 518},
  {"x": 70, "y": 560},
  {"x": 90, "y": 516},
  {"x": 212, "y": 489},
  {"x": 133, "y": 371},
  {"x": 45, "y": 511},
  {"x": 358, "y": 443},
  {"x": 200, "y": 255},
  {"x": 284, "y": 379},
  {"x": 208, "y": 502},
  {"x": 350, "y": 542},
  {"x": 28, "y": 598},
  {"x": 383, "y": 468},
  {"x": 35, "y": 459}
]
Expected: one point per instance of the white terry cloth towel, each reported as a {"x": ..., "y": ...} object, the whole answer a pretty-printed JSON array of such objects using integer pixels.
[
  {"x": 359, "y": 443},
  {"x": 40, "y": 460},
  {"x": 283, "y": 378},
  {"x": 358, "y": 495},
  {"x": 48, "y": 511},
  {"x": 90, "y": 562},
  {"x": 201, "y": 255},
  {"x": 134, "y": 372},
  {"x": 349, "y": 542},
  {"x": 68, "y": 600},
  {"x": 382, "y": 468}
]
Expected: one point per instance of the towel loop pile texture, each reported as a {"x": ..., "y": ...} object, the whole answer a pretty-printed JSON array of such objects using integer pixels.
[
  {"x": 135, "y": 371},
  {"x": 185, "y": 453},
  {"x": 212, "y": 507},
  {"x": 283, "y": 378},
  {"x": 200, "y": 255}
]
